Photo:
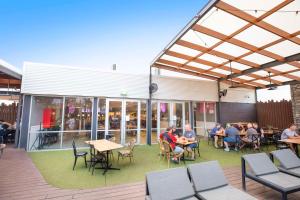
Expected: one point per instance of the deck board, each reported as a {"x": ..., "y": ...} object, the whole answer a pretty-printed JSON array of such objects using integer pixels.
[{"x": 20, "y": 179}]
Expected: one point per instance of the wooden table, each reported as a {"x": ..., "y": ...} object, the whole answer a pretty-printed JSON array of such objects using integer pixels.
[
  {"x": 182, "y": 141},
  {"x": 105, "y": 146},
  {"x": 293, "y": 141}
]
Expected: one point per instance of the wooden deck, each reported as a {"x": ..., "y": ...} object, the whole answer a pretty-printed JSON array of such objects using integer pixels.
[{"x": 20, "y": 179}]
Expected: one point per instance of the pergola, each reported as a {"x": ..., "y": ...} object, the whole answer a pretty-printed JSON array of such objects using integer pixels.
[
  {"x": 250, "y": 43},
  {"x": 10, "y": 77}
]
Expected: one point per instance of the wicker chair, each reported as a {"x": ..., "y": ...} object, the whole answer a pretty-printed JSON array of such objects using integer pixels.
[
  {"x": 127, "y": 152},
  {"x": 169, "y": 152},
  {"x": 161, "y": 148}
]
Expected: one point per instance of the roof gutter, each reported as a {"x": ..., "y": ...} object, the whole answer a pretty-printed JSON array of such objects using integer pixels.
[
  {"x": 192, "y": 22},
  {"x": 10, "y": 70}
]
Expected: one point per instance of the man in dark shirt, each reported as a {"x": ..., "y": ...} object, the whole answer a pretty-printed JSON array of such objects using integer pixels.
[{"x": 231, "y": 136}]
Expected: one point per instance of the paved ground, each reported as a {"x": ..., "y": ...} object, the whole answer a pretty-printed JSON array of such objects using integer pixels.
[{"x": 20, "y": 179}]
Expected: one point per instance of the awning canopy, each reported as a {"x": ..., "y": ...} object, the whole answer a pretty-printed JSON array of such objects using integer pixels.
[
  {"x": 10, "y": 77},
  {"x": 246, "y": 42}
]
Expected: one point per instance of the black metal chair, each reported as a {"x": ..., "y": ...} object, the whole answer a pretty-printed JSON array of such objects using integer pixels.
[
  {"x": 78, "y": 154},
  {"x": 96, "y": 158},
  {"x": 278, "y": 144},
  {"x": 198, "y": 146}
]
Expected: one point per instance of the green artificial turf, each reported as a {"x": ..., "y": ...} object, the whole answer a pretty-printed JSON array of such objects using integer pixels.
[{"x": 56, "y": 166}]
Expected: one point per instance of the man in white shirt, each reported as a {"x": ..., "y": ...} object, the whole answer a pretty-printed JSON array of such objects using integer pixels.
[{"x": 290, "y": 133}]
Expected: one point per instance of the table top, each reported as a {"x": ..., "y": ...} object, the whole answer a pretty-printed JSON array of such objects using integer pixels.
[
  {"x": 224, "y": 135},
  {"x": 184, "y": 141},
  {"x": 104, "y": 145},
  {"x": 292, "y": 140}
]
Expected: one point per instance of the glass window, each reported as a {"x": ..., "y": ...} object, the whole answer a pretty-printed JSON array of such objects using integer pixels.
[
  {"x": 187, "y": 112},
  {"x": 198, "y": 108},
  {"x": 78, "y": 113},
  {"x": 154, "y": 123},
  {"x": 45, "y": 122},
  {"x": 77, "y": 120},
  {"x": 177, "y": 115},
  {"x": 115, "y": 120},
  {"x": 143, "y": 123},
  {"x": 101, "y": 118},
  {"x": 131, "y": 121},
  {"x": 164, "y": 115},
  {"x": 210, "y": 112}
]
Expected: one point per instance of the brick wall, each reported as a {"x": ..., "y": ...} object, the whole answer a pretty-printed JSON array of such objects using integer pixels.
[{"x": 295, "y": 94}]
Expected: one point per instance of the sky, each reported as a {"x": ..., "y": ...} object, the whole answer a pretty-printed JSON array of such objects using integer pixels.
[
  {"x": 96, "y": 33},
  {"x": 91, "y": 33}
]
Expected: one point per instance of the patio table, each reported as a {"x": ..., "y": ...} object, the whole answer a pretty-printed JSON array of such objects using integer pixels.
[
  {"x": 293, "y": 141},
  {"x": 182, "y": 141},
  {"x": 105, "y": 146}
]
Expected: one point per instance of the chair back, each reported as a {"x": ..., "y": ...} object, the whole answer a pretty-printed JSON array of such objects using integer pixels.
[
  {"x": 167, "y": 147},
  {"x": 74, "y": 147},
  {"x": 112, "y": 139},
  {"x": 92, "y": 151},
  {"x": 161, "y": 146},
  {"x": 131, "y": 145},
  {"x": 198, "y": 139},
  {"x": 255, "y": 138}
]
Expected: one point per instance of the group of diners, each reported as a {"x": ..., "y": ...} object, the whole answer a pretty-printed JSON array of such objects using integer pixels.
[
  {"x": 243, "y": 135},
  {"x": 172, "y": 135},
  {"x": 237, "y": 134}
]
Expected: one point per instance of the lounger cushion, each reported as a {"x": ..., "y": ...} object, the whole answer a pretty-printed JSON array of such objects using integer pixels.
[
  {"x": 169, "y": 184},
  {"x": 287, "y": 158},
  {"x": 225, "y": 193},
  {"x": 295, "y": 171},
  {"x": 260, "y": 164},
  {"x": 207, "y": 175},
  {"x": 283, "y": 180}
]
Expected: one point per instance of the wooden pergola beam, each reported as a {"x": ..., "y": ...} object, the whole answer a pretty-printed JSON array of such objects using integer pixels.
[
  {"x": 295, "y": 57},
  {"x": 262, "y": 24}
]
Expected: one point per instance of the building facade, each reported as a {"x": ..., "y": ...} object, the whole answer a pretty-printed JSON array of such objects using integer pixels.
[{"x": 62, "y": 103}]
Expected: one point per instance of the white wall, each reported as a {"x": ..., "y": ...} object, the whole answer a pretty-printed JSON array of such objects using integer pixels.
[
  {"x": 241, "y": 95},
  {"x": 185, "y": 89},
  {"x": 64, "y": 80}
]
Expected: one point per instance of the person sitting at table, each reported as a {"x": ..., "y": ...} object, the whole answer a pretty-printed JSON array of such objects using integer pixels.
[
  {"x": 290, "y": 133},
  {"x": 258, "y": 129},
  {"x": 232, "y": 134},
  {"x": 169, "y": 137},
  {"x": 190, "y": 135},
  {"x": 218, "y": 129},
  {"x": 249, "y": 137},
  {"x": 175, "y": 131}
]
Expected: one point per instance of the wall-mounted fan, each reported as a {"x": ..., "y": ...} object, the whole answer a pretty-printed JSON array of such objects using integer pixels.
[{"x": 153, "y": 88}]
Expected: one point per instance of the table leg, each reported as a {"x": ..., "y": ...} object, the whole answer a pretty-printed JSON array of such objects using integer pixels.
[{"x": 108, "y": 166}]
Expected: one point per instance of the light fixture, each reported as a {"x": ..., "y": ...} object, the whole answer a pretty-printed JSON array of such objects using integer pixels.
[{"x": 270, "y": 87}]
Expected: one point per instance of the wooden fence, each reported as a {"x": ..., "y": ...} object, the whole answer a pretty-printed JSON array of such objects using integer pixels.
[
  {"x": 8, "y": 113},
  {"x": 275, "y": 114}
]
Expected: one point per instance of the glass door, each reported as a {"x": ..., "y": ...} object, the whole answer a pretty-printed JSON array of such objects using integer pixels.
[
  {"x": 126, "y": 119},
  {"x": 131, "y": 121},
  {"x": 113, "y": 128}
]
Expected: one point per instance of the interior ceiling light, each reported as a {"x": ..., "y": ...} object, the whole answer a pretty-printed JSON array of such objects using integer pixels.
[{"x": 270, "y": 87}]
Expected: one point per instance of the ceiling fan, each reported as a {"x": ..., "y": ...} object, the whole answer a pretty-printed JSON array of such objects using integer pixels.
[{"x": 270, "y": 87}]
